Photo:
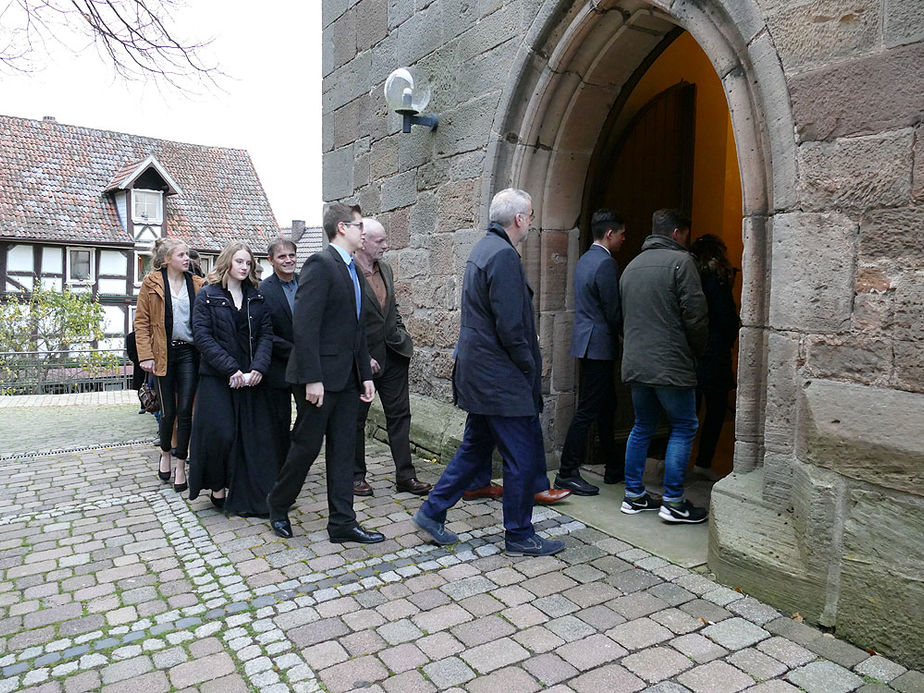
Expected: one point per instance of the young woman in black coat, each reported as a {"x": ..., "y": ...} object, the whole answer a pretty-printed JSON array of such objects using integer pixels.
[
  {"x": 714, "y": 374},
  {"x": 230, "y": 437}
]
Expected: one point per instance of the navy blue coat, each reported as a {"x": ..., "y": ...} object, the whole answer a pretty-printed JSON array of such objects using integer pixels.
[
  {"x": 224, "y": 350},
  {"x": 330, "y": 343},
  {"x": 281, "y": 315},
  {"x": 498, "y": 366},
  {"x": 597, "y": 311}
]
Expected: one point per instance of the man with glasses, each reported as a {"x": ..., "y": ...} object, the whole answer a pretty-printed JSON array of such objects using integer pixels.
[
  {"x": 497, "y": 380},
  {"x": 330, "y": 364}
]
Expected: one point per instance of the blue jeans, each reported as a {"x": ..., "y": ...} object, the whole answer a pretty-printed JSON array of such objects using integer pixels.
[{"x": 679, "y": 403}]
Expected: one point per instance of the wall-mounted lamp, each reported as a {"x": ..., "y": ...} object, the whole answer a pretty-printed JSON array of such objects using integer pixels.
[{"x": 407, "y": 92}]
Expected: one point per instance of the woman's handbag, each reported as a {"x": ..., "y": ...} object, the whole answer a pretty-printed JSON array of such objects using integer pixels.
[{"x": 150, "y": 401}]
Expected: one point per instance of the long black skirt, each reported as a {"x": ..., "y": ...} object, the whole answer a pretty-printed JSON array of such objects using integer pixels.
[{"x": 232, "y": 445}]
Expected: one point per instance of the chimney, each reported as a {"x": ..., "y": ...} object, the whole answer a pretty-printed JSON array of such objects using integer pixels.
[
  {"x": 49, "y": 119},
  {"x": 298, "y": 230}
]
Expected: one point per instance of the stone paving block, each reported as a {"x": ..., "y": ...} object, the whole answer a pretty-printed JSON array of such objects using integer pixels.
[
  {"x": 441, "y": 618},
  {"x": 656, "y": 663},
  {"x": 753, "y": 610},
  {"x": 642, "y": 632},
  {"x": 698, "y": 648},
  {"x": 226, "y": 684},
  {"x": 524, "y": 615},
  {"x": 633, "y": 580},
  {"x": 403, "y": 657},
  {"x": 399, "y": 631},
  {"x": 547, "y": 584},
  {"x": 824, "y": 677},
  {"x": 325, "y": 654},
  {"x": 428, "y": 599},
  {"x": 636, "y": 605},
  {"x": 709, "y": 612},
  {"x": 319, "y": 631},
  {"x": 909, "y": 682},
  {"x": 591, "y": 652},
  {"x": 362, "y": 619},
  {"x": 494, "y": 655},
  {"x": 735, "y": 633},
  {"x": 440, "y": 645},
  {"x": 667, "y": 687},
  {"x": 756, "y": 664},
  {"x": 84, "y": 681},
  {"x": 482, "y": 630},
  {"x": 715, "y": 677},
  {"x": 611, "y": 677},
  {"x": 601, "y": 617},
  {"x": 569, "y": 628},
  {"x": 838, "y": 651},
  {"x": 677, "y": 621},
  {"x": 356, "y": 673},
  {"x": 200, "y": 670},
  {"x": 509, "y": 680},
  {"x": 792, "y": 630},
  {"x": 786, "y": 651},
  {"x": 591, "y": 593},
  {"x": 127, "y": 669},
  {"x": 538, "y": 639},
  {"x": 396, "y": 609},
  {"x": 363, "y": 642},
  {"x": 555, "y": 605},
  {"x": 538, "y": 566},
  {"x": 408, "y": 682},
  {"x": 774, "y": 686},
  {"x": 153, "y": 682},
  {"x": 513, "y": 595},
  {"x": 481, "y": 605},
  {"x": 880, "y": 668},
  {"x": 549, "y": 668},
  {"x": 447, "y": 672}
]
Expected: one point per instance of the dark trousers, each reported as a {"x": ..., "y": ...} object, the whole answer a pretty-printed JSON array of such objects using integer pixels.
[
  {"x": 279, "y": 400},
  {"x": 519, "y": 440},
  {"x": 396, "y": 402},
  {"x": 596, "y": 402},
  {"x": 716, "y": 403},
  {"x": 177, "y": 390},
  {"x": 482, "y": 478},
  {"x": 335, "y": 421}
]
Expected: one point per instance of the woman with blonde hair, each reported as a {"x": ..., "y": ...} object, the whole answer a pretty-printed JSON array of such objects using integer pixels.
[
  {"x": 231, "y": 430},
  {"x": 163, "y": 333}
]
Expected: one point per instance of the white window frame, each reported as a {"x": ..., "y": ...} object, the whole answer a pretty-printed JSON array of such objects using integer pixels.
[
  {"x": 139, "y": 277},
  {"x": 137, "y": 217},
  {"x": 73, "y": 280}
]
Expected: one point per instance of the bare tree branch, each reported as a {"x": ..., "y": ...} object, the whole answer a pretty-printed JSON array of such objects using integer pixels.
[{"x": 138, "y": 38}]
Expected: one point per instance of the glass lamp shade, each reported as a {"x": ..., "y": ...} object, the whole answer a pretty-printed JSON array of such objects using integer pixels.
[{"x": 407, "y": 91}]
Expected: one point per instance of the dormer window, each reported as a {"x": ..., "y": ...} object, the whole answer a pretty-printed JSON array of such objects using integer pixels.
[{"x": 147, "y": 206}]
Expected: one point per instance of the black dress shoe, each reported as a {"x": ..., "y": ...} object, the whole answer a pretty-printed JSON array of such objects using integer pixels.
[
  {"x": 282, "y": 528},
  {"x": 614, "y": 475},
  {"x": 357, "y": 534},
  {"x": 361, "y": 488},
  {"x": 576, "y": 485},
  {"x": 413, "y": 485},
  {"x": 219, "y": 503}
]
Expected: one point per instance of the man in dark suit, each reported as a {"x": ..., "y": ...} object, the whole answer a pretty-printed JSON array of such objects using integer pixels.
[
  {"x": 497, "y": 380},
  {"x": 330, "y": 363},
  {"x": 278, "y": 291},
  {"x": 390, "y": 349},
  {"x": 597, "y": 328}
]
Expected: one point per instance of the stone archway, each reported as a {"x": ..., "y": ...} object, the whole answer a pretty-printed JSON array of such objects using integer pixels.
[{"x": 575, "y": 64}]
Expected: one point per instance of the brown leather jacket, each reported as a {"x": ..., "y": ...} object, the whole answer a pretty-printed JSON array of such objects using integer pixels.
[{"x": 150, "y": 330}]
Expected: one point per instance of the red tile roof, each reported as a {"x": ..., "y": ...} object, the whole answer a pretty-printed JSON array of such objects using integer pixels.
[{"x": 53, "y": 178}]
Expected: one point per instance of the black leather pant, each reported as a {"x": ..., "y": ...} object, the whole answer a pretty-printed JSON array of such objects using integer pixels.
[{"x": 177, "y": 392}]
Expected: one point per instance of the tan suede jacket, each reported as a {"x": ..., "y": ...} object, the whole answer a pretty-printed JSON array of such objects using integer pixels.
[{"x": 150, "y": 330}]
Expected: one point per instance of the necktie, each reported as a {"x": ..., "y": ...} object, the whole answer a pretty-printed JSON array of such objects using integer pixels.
[{"x": 356, "y": 290}]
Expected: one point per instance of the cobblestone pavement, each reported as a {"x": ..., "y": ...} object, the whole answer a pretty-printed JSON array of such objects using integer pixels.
[{"x": 110, "y": 580}]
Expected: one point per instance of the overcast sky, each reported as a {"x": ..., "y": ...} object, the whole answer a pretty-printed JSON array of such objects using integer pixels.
[{"x": 271, "y": 104}]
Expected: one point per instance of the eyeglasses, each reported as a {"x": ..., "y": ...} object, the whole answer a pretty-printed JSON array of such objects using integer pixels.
[
  {"x": 357, "y": 224},
  {"x": 532, "y": 215}
]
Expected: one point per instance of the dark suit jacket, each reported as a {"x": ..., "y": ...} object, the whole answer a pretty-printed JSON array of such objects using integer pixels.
[
  {"x": 384, "y": 328},
  {"x": 597, "y": 310},
  {"x": 281, "y": 314},
  {"x": 330, "y": 343},
  {"x": 498, "y": 365}
]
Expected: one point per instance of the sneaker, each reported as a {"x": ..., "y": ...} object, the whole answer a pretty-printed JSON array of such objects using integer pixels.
[
  {"x": 436, "y": 530},
  {"x": 631, "y": 506},
  {"x": 534, "y": 546},
  {"x": 685, "y": 512}
]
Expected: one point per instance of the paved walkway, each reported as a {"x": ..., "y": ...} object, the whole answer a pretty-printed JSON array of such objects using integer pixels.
[{"x": 109, "y": 580}]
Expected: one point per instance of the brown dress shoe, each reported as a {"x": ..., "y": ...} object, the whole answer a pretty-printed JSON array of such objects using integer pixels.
[
  {"x": 492, "y": 491},
  {"x": 414, "y": 485},
  {"x": 553, "y": 495},
  {"x": 361, "y": 488}
]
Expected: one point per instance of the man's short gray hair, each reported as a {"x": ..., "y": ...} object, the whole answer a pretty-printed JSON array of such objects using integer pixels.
[{"x": 507, "y": 204}]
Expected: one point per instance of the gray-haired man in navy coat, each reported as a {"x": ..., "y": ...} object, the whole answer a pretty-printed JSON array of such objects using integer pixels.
[
  {"x": 497, "y": 380},
  {"x": 597, "y": 328}
]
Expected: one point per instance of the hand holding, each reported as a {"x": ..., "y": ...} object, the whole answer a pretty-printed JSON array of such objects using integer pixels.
[
  {"x": 147, "y": 365},
  {"x": 314, "y": 393},
  {"x": 254, "y": 378},
  {"x": 237, "y": 380},
  {"x": 368, "y": 393}
]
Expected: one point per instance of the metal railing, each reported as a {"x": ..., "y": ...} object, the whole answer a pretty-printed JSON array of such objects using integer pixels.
[{"x": 61, "y": 372}]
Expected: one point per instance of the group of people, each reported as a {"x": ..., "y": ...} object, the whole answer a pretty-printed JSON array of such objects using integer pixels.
[
  {"x": 673, "y": 337},
  {"x": 230, "y": 352}
]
